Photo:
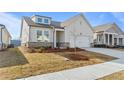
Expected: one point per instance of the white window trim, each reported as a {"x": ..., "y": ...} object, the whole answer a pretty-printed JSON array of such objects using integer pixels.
[
  {"x": 41, "y": 19},
  {"x": 46, "y": 19},
  {"x": 48, "y": 33}
]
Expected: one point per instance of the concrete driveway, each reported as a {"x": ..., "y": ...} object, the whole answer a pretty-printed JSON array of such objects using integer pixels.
[{"x": 90, "y": 72}]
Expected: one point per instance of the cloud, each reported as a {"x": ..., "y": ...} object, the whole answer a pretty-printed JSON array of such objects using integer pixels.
[
  {"x": 119, "y": 16},
  {"x": 12, "y": 24}
]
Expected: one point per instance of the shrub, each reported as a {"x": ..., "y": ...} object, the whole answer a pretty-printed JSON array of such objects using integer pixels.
[
  {"x": 42, "y": 49},
  {"x": 30, "y": 50},
  {"x": 68, "y": 48},
  {"x": 37, "y": 47}
]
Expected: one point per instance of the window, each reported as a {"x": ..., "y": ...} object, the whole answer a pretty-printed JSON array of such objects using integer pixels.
[
  {"x": 46, "y": 21},
  {"x": 46, "y": 34},
  {"x": 39, "y": 33},
  {"x": 39, "y": 20}
]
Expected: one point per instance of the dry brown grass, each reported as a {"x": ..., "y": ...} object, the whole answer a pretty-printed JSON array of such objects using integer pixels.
[
  {"x": 114, "y": 76},
  {"x": 40, "y": 63}
]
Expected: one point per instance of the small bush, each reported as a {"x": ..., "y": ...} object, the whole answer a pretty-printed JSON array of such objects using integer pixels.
[
  {"x": 67, "y": 48},
  {"x": 30, "y": 50},
  {"x": 37, "y": 47},
  {"x": 42, "y": 49}
]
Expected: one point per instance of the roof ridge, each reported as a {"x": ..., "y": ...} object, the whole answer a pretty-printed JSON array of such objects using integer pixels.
[{"x": 111, "y": 23}]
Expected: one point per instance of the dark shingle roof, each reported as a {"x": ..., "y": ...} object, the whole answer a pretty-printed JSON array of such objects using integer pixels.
[
  {"x": 56, "y": 24},
  {"x": 30, "y": 22}
]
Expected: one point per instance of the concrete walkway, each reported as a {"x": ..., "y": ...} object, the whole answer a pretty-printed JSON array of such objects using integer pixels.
[{"x": 90, "y": 72}]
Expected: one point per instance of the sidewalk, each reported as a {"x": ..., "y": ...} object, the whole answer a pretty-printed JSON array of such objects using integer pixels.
[{"x": 90, "y": 72}]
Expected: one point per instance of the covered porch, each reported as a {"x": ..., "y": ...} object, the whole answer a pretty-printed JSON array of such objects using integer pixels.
[
  {"x": 59, "y": 38},
  {"x": 109, "y": 39}
]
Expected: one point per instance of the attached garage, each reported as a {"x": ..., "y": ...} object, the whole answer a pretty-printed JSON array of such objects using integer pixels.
[
  {"x": 83, "y": 42},
  {"x": 80, "y": 42},
  {"x": 80, "y": 27}
]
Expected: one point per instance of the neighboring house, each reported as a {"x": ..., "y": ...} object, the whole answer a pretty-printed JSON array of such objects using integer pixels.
[
  {"x": 108, "y": 35},
  {"x": 15, "y": 43},
  {"x": 43, "y": 31},
  {"x": 5, "y": 37}
]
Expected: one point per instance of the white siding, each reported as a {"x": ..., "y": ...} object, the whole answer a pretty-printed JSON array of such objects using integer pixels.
[
  {"x": 79, "y": 26},
  {"x": 35, "y": 19},
  {"x": 33, "y": 34},
  {"x": 60, "y": 36},
  {"x": 25, "y": 33},
  {"x": 0, "y": 35},
  {"x": 6, "y": 38}
]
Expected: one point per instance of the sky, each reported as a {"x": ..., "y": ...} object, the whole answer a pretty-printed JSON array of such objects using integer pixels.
[{"x": 12, "y": 20}]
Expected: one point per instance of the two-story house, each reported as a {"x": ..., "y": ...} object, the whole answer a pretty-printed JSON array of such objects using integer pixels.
[{"x": 43, "y": 31}]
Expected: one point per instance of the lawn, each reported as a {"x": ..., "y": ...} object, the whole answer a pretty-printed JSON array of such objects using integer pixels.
[
  {"x": 41, "y": 63},
  {"x": 114, "y": 76},
  {"x": 11, "y": 57},
  {"x": 120, "y": 49}
]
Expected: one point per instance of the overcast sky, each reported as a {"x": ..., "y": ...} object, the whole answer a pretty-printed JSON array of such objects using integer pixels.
[{"x": 12, "y": 20}]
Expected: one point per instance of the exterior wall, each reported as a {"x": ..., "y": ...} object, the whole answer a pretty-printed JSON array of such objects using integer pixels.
[
  {"x": 33, "y": 33},
  {"x": 81, "y": 28},
  {"x": 25, "y": 33},
  {"x": 60, "y": 36},
  {"x": 0, "y": 35},
  {"x": 115, "y": 34},
  {"x": 0, "y": 40},
  {"x": 121, "y": 36},
  {"x": 6, "y": 39},
  {"x": 39, "y": 44}
]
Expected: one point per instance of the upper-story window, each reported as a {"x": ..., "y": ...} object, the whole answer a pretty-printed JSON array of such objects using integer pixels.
[
  {"x": 46, "y": 21},
  {"x": 39, "y": 20}
]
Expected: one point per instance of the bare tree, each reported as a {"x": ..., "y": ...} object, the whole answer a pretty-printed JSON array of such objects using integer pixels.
[{"x": 75, "y": 35}]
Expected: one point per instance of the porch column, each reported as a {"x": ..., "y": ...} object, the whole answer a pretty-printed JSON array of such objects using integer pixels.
[
  {"x": 117, "y": 41},
  {"x": 54, "y": 38},
  {"x": 113, "y": 39},
  {"x": 108, "y": 39},
  {"x": 104, "y": 38},
  {"x": 98, "y": 39}
]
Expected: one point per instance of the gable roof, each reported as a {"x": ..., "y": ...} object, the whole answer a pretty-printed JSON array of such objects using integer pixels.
[
  {"x": 105, "y": 27},
  {"x": 102, "y": 27},
  {"x": 70, "y": 20},
  {"x": 30, "y": 22}
]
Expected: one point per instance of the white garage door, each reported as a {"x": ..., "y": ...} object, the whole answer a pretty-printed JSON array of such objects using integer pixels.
[{"x": 83, "y": 42}]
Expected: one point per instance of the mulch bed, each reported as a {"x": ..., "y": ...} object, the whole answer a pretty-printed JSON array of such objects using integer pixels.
[
  {"x": 51, "y": 50},
  {"x": 62, "y": 50},
  {"x": 77, "y": 57}
]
